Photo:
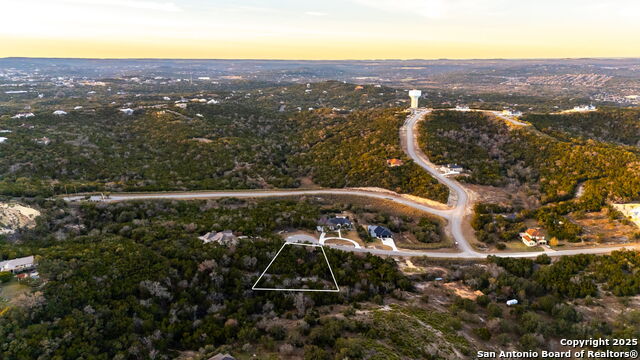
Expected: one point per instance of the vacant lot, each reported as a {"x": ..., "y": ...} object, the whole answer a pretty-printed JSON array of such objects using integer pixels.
[
  {"x": 10, "y": 291},
  {"x": 599, "y": 228}
]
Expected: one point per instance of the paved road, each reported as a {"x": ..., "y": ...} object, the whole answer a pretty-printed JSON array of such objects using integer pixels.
[
  {"x": 384, "y": 195},
  {"x": 462, "y": 204},
  {"x": 509, "y": 119},
  {"x": 455, "y": 214}
]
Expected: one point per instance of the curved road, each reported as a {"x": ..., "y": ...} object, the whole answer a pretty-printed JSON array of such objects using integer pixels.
[
  {"x": 384, "y": 195},
  {"x": 454, "y": 215},
  {"x": 459, "y": 193}
]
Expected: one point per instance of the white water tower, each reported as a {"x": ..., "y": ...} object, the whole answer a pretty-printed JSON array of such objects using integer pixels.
[{"x": 415, "y": 97}]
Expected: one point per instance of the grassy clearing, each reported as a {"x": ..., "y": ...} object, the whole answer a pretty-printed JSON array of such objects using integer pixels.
[{"x": 10, "y": 291}]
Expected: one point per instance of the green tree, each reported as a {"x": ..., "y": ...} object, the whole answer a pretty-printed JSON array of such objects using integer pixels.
[{"x": 5, "y": 276}]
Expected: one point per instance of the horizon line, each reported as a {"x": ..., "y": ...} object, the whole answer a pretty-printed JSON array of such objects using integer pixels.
[{"x": 346, "y": 59}]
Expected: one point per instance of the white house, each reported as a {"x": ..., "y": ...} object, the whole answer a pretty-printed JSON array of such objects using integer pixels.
[
  {"x": 127, "y": 111},
  {"x": 2, "y": 139},
  {"x": 17, "y": 265},
  {"x": 585, "y": 108},
  {"x": 451, "y": 169},
  {"x": 512, "y": 113},
  {"x": 22, "y": 115},
  {"x": 533, "y": 237},
  {"x": 59, "y": 112}
]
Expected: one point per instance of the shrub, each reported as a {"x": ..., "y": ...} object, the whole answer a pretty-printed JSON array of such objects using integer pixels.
[
  {"x": 494, "y": 310},
  {"x": 482, "y": 333},
  {"x": 5, "y": 276},
  {"x": 483, "y": 300},
  {"x": 543, "y": 259},
  {"x": 312, "y": 352}
]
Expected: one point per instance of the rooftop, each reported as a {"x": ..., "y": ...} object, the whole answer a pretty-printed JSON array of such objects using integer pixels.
[{"x": 8, "y": 265}]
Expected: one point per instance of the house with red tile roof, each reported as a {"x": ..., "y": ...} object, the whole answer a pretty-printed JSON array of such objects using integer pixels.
[{"x": 533, "y": 237}]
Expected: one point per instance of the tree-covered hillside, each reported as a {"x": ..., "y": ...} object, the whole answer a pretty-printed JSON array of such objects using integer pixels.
[
  {"x": 610, "y": 125},
  {"x": 498, "y": 155},
  {"x": 133, "y": 281},
  {"x": 352, "y": 150},
  {"x": 524, "y": 159},
  {"x": 245, "y": 142},
  {"x": 233, "y": 147}
]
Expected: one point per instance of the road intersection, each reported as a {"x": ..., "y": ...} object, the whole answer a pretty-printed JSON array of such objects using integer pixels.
[{"x": 460, "y": 205}]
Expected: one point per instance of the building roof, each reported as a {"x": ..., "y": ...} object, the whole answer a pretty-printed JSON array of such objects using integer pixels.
[
  {"x": 8, "y": 265},
  {"x": 224, "y": 237},
  {"x": 509, "y": 216},
  {"x": 22, "y": 115},
  {"x": 527, "y": 239},
  {"x": 534, "y": 232},
  {"x": 380, "y": 231},
  {"x": 339, "y": 221},
  {"x": 394, "y": 162},
  {"x": 222, "y": 357}
]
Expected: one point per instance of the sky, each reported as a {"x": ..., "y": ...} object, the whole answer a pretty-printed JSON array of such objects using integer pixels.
[{"x": 314, "y": 29}]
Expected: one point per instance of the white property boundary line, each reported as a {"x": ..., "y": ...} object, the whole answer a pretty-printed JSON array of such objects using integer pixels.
[{"x": 337, "y": 289}]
